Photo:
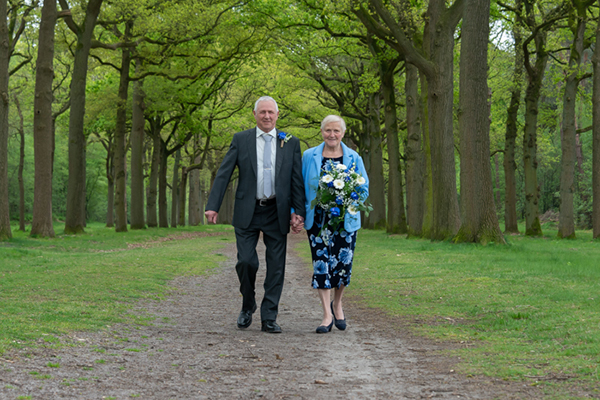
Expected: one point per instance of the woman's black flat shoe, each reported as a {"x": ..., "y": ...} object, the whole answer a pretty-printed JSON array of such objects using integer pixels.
[
  {"x": 339, "y": 323},
  {"x": 324, "y": 329}
]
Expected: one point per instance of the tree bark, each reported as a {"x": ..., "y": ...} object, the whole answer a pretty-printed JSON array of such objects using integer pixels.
[
  {"x": 377, "y": 217},
  {"x": 596, "y": 137},
  {"x": 566, "y": 221},
  {"x": 43, "y": 135},
  {"x": 76, "y": 187},
  {"x": 415, "y": 162},
  {"x": 175, "y": 190},
  {"x": 478, "y": 210},
  {"x": 510, "y": 137},
  {"x": 163, "y": 221},
  {"x": 151, "y": 210},
  {"x": 396, "y": 217},
  {"x": 194, "y": 214},
  {"x": 120, "y": 148},
  {"x": 446, "y": 218},
  {"x": 137, "y": 154},
  {"x": 5, "y": 231},
  {"x": 21, "y": 130},
  {"x": 532, "y": 95}
]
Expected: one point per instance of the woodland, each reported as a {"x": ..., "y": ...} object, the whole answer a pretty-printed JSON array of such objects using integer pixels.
[{"x": 475, "y": 118}]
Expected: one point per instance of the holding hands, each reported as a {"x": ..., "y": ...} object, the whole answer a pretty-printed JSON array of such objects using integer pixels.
[{"x": 297, "y": 223}]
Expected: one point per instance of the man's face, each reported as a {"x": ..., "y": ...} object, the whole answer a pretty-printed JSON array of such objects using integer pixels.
[{"x": 266, "y": 115}]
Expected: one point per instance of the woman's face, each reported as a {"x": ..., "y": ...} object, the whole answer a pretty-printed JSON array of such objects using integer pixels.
[{"x": 332, "y": 134}]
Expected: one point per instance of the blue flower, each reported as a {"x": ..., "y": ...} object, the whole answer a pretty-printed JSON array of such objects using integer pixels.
[
  {"x": 346, "y": 256},
  {"x": 330, "y": 184},
  {"x": 354, "y": 196},
  {"x": 322, "y": 252},
  {"x": 339, "y": 201},
  {"x": 320, "y": 267},
  {"x": 335, "y": 212}
]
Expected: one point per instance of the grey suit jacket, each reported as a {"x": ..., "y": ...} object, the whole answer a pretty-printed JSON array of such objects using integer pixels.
[{"x": 289, "y": 185}]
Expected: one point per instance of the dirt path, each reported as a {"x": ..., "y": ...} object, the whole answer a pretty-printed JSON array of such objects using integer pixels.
[{"x": 194, "y": 350}]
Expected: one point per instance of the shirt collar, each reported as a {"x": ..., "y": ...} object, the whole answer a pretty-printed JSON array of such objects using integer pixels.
[{"x": 259, "y": 132}]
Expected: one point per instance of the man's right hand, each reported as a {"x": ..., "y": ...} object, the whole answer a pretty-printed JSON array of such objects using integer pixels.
[{"x": 211, "y": 216}]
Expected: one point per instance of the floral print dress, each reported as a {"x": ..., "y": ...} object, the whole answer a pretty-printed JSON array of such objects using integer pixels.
[{"x": 332, "y": 250}]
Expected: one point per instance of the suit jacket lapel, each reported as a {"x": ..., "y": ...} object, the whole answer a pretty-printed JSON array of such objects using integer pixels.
[{"x": 252, "y": 145}]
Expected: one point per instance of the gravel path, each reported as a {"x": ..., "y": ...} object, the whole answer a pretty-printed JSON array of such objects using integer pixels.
[{"x": 194, "y": 350}]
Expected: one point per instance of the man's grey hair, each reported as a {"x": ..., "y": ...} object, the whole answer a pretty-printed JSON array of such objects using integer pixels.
[
  {"x": 333, "y": 118},
  {"x": 266, "y": 98}
]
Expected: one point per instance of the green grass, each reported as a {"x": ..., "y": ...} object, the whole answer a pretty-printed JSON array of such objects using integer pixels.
[
  {"x": 80, "y": 282},
  {"x": 529, "y": 310}
]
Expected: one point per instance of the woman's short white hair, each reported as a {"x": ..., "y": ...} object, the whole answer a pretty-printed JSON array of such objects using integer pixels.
[
  {"x": 266, "y": 98},
  {"x": 333, "y": 118}
]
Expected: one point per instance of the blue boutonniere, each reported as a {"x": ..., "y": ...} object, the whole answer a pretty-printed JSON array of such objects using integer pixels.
[{"x": 284, "y": 137}]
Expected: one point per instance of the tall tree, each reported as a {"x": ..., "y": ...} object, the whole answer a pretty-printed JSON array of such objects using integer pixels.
[
  {"x": 438, "y": 68},
  {"x": 511, "y": 133},
  {"x": 120, "y": 136},
  {"x": 76, "y": 191},
  {"x": 538, "y": 22},
  {"x": 577, "y": 25},
  {"x": 43, "y": 133},
  {"x": 596, "y": 137},
  {"x": 137, "y": 152},
  {"x": 5, "y": 231},
  {"x": 478, "y": 210},
  {"x": 415, "y": 161},
  {"x": 396, "y": 217}
]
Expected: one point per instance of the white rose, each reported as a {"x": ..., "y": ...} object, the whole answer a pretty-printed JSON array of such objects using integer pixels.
[
  {"x": 360, "y": 180},
  {"x": 326, "y": 178},
  {"x": 338, "y": 184}
]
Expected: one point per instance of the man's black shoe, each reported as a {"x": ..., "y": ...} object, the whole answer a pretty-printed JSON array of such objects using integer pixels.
[
  {"x": 271, "y": 327},
  {"x": 244, "y": 320}
]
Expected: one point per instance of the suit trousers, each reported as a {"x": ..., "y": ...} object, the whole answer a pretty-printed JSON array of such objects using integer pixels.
[{"x": 264, "y": 220}]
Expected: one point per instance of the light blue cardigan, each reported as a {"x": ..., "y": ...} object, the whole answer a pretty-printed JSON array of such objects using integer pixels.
[{"x": 311, "y": 172}]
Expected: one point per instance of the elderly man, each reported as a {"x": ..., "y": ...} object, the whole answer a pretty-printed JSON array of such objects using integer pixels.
[{"x": 269, "y": 197}]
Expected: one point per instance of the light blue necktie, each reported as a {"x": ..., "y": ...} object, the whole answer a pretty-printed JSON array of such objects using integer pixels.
[{"x": 267, "y": 166}]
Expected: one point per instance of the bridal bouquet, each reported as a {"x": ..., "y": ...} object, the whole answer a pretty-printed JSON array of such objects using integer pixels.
[{"x": 340, "y": 190}]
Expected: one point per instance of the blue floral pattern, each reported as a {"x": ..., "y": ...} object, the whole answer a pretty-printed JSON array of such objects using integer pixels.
[
  {"x": 332, "y": 252},
  {"x": 332, "y": 259}
]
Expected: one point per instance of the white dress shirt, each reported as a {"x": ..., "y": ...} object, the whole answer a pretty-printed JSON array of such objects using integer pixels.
[{"x": 260, "y": 148}]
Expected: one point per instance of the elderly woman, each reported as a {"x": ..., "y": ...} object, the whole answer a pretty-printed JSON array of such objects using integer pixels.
[{"x": 332, "y": 246}]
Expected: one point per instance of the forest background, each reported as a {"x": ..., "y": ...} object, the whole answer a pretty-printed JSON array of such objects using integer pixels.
[{"x": 472, "y": 116}]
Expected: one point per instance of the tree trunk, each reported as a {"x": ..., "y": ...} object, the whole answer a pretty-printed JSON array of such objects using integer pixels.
[
  {"x": 5, "y": 231},
  {"x": 110, "y": 177},
  {"x": 446, "y": 218},
  {"x": 377, "y": 217},
  {"x": 43, "y": 136},
  {"x": 194, "y": 213},
  {"x": 415, "y": 162},
  {"x": 76, "y": 188},
  {"x": 182, "y": 198},
  {"x": 137, "y": 154},
  {"x": 163, "y": 221},
  {"x": 396, "y": 217},
  {"x": 427, "y": 173},
  {"x": 596, "y": 137},
  {"x": 151, "y": 212},
  {"x": 566, "y": 221},
  {"x": 21, "y": 130},
  {"x": 175, "y": 190},
  {"x": 120, "y": 129},
  {"x": 532, "y": 96},
  {"x": 510, "y": 138},
  {"x": 478, "y": 210}
]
